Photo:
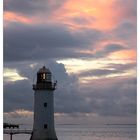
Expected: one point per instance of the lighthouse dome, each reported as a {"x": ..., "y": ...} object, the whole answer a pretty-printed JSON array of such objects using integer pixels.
[{"x": 44, "y": 70}]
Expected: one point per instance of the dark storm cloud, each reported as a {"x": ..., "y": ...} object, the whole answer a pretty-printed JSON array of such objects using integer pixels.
[
  {"x": 113, "y": 96},
  {"x": 32, "y": 7},
  {"x": 22, "y": 42},
  {"x": 25, "y": 42},
  {"x": 114, "y": 99},
  {"x": 18, "y": 95},
  {"x": 106, "y": 97},
  {"x": 109, "y": 70}
]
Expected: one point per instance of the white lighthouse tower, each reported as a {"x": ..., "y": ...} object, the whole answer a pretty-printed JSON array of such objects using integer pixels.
[{"x": 43, "y": 127}]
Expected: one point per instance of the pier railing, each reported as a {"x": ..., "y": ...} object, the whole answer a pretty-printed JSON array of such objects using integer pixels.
[
  {"x": 12, "y": 132},
  {"x": 17, "y": 131}
]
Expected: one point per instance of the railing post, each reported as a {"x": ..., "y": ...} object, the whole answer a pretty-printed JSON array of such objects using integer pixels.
[{"x": 11, "y": 136}]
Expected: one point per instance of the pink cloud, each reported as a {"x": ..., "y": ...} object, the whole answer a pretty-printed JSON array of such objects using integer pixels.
[{"x": 14, "y": 17}]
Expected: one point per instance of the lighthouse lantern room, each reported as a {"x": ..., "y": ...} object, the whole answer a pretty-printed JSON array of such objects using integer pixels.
[{"x": 43, "y": 127}]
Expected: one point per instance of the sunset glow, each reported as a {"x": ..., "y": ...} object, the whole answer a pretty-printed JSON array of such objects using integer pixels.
[
  {"x": 124, "y": 55},
  {"x": 13, "y": 17},
  {"x": 89, "y": 45}
]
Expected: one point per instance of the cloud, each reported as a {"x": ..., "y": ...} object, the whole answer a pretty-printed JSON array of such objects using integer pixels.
[
  {"x": 129, "y": 11},
  {"x": 99, "y": 72},
  {"x": 116, "y": 99},
  {"x": 18, "y": 95},
  {"x": 125, "y": 31},
  {"x": 122, "y": 67},
  {"x": 108, "y": 70},
  {"x": 23, "y": 42},
  {"x": 74, "y": 14},
  {"x": 105, "y": 97},
  {"x": 32, "y": 7},
  {"x": 19, "y": 113},
  {"x": 112, "y": 96},
  {"x": 108, "y": 49}
]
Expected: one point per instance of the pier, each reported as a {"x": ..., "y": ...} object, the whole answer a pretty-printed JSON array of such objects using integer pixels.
[{"x": 12, "y": 132}]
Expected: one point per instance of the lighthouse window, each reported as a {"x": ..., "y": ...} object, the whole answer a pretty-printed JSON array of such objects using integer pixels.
[
  {"x": 44, "y": 76},
  {"x": 45, "y": 104},
  {"x": 45, "y": 126}
]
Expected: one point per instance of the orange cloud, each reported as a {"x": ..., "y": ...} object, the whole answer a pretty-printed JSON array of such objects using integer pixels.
[
  {"x": 99, "y": 14},
  {"x": 13, "y": 17},
  {"x": 124, "y": 55}
]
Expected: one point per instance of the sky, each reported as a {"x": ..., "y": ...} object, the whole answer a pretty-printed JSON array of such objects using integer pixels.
[{"x": 90, "y": 47}]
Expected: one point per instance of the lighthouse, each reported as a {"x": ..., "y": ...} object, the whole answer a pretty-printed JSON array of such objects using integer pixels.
[{"x": 43, "y": 127}]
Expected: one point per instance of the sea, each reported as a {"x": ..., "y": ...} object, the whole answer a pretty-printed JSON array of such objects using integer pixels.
[{"x": 88, "y": 132}]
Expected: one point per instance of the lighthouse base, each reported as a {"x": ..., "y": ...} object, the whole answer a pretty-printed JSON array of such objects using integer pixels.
[
  {"x": 44, "y": 139},
  {"x": 41, "y": 137}
]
